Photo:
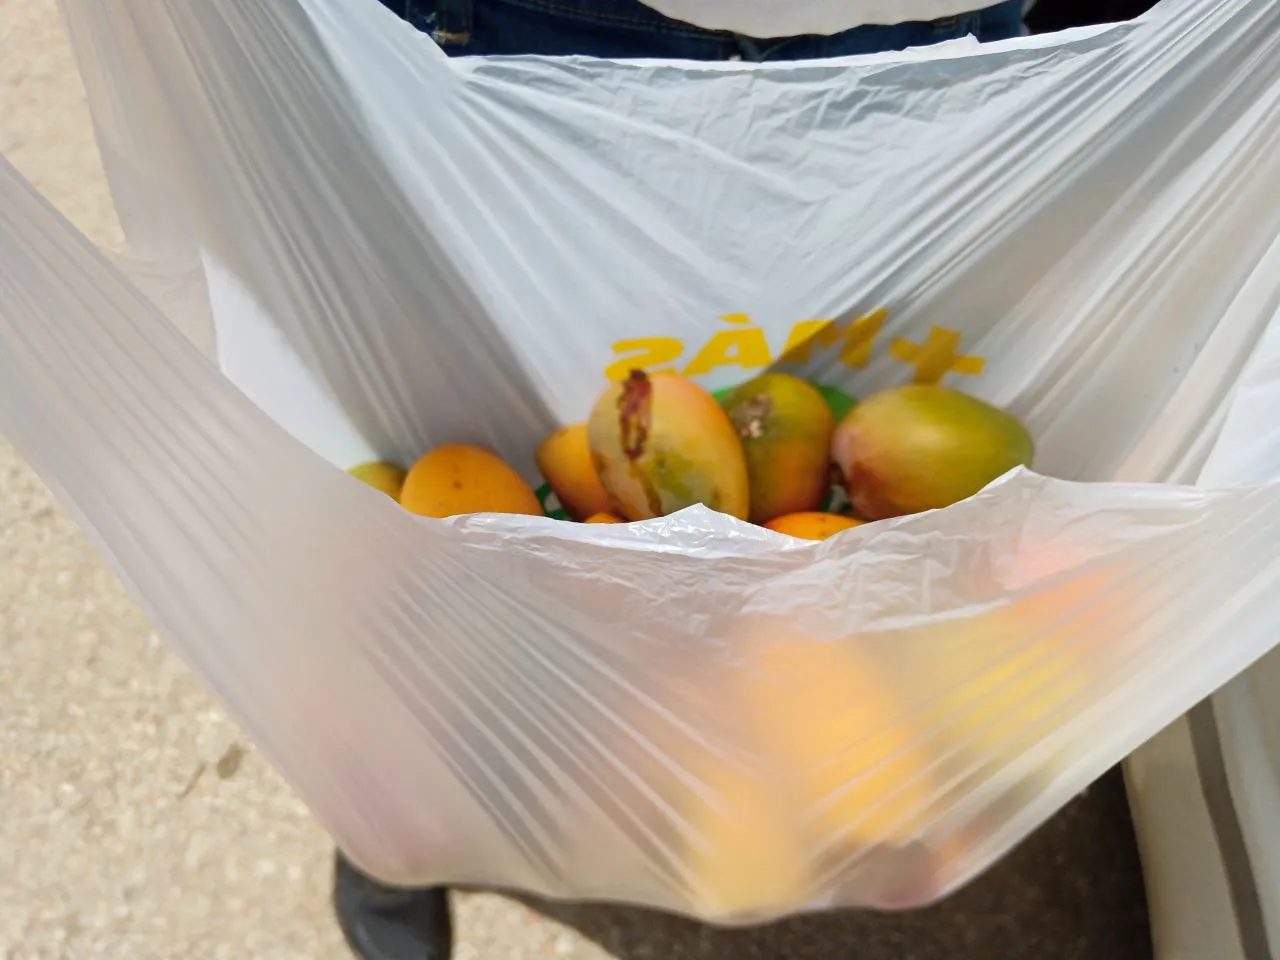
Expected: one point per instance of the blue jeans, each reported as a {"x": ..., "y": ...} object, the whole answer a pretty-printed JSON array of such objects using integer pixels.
[{"x": 627, "y": 28}]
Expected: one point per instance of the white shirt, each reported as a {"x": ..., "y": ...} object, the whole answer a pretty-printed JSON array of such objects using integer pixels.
[{"x": 789, "y": 18}]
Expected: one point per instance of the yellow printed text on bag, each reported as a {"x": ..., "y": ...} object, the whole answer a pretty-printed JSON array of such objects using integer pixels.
[
  {"x": 856, "y": 339},
  {"x": 937, "y": 356},
  {"x": 744, "y": 345}
]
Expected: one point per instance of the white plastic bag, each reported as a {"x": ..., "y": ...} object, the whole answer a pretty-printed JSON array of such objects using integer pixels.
[{"x": 402, "y": 250}]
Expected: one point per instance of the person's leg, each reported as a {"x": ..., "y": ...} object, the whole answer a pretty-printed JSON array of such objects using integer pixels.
[{"x": 387, "y": 923}]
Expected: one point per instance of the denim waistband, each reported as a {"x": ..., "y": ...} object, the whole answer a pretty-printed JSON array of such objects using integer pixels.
[{"x": 451, "y": 20}]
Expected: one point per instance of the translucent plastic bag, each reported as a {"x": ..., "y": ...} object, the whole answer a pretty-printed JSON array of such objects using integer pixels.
[{"x": 692, "y": 713}]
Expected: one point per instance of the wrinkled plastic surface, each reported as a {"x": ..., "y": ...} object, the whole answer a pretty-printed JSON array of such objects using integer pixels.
[{"x": 401, "y": 250}]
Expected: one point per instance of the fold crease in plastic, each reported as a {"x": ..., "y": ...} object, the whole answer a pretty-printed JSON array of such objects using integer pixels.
[{"x": 399, "y": 250}]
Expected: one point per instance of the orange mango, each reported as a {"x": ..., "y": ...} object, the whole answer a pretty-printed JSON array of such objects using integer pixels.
[
  {"x": 564, "y": 458},
  {"x": 458, "y": 479},
  {"x": 603, "y": 517},
  {"x": 785, "y": 426},
  {"x": 831, "y": 763},
  {"x": 747, "y": 856},
  {"x": 843, "y": 738},
  {"x": 661, "y": 443},
  {"x": 812, "y": 525}
]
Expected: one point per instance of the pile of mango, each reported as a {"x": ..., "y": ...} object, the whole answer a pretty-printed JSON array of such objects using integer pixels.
[
  {"x": 769, "y": 451},
  {"x": 839, "y": 758}
]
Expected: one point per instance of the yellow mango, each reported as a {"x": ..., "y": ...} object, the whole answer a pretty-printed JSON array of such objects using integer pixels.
[
  {"x": 746, "y": 855},
  {"x": 922, "y": 447},
  {"x": 785, "y": 426},
  {"x": 845, "y": 741},
  {"x": 1000, "y": 682},
  {"x": 380, "y": 475},
  {"x": 661, "y": 444}
]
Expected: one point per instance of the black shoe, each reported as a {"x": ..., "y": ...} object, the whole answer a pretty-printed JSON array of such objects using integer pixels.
[{"x": 390, "y": 923}]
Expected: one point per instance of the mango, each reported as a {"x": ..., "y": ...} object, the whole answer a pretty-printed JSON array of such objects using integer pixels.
[
  {"x": 785, "y": 425},
  {"x": 661, "y": 443},
  {"x": 564, "y": 458},
  {"x": 603, "y": 517},
  {"x": 812, "y": 525},
  {"x": 380, "y": 475},
  {"x": 842, "y": 738},
  {"x": 709, "y": 794},
  {"x": 458, "y": 479},
  {"x": 1001, "y": 681},
  {"x": 747, "y": 855},
  {"x": 831, "y": 764},
  {"x": 923, "y": 447}
]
